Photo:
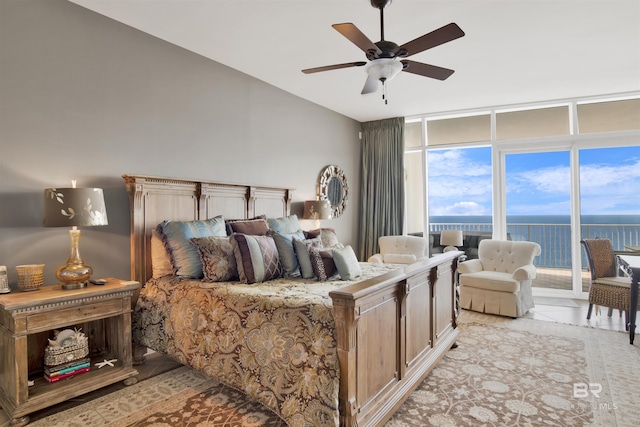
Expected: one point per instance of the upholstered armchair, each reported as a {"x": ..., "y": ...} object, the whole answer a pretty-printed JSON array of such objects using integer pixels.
[
  {"x": 400, "y": 250},
  {"x": 499, "y": 281}
]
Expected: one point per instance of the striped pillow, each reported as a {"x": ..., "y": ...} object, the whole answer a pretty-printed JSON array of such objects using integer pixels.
[{"x": 256, "y": 258}]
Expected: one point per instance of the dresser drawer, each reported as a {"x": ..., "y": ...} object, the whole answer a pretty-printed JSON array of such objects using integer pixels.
[{"x": 63, "y": 317}]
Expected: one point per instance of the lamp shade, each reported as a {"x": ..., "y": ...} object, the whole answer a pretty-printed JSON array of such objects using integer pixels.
[
  {"x": 66, "y": 207},
  {"x": 317, "y": 209},
  {"x": 451, "y": 237}
]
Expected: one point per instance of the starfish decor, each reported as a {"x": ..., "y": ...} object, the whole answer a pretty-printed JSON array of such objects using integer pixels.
[{"x": 106, "y": 362}]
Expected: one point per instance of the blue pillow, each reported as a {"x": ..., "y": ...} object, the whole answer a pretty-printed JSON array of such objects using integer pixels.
[
  {"x": 347, "y": 263},
  {"x": 288, "y": 259},
  {"x": 286, "y": 224},
  {"x": 185, "y": 258},
  {"x": 302, "y": 252}
]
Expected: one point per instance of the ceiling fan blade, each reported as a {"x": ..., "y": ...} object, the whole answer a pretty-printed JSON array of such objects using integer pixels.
[
  {"x": 427, "y": 70},
  {"x": 435, "y": 38},
  {"x": 356, "y": 37},
  {"x": 334, "y": 67},
  {"x": 370, "y": 86}
]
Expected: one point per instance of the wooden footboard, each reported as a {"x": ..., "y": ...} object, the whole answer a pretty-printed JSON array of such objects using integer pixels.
[{"x": 391, "y": 332}]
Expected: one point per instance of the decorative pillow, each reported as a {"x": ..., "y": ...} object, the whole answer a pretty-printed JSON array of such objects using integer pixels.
[
  {"x": 347, "y": 263},
  {"x": 328, "y": 236},
  {"x": 286, "y": 224},
  {"x": 256, "y": 258},
  {"x": 254, "y": 227},
  {"x": 301, "y": 248},
  {"x": 160, "y": 259},
  {"x": 400, "y": 258},
  {"x": 288, "y": 259},
  {"x": 322, "y": 263},
  {"x": 184, "y": 256},
  {"x": 230, "y": 230},
  {"x": 218, "y": 261}
]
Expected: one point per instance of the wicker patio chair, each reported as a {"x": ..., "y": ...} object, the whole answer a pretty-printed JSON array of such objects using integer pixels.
[{"x": 607, "y": 288}]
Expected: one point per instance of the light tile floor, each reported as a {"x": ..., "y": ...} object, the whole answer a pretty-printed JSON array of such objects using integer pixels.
[{"x": 574, "y": 312}]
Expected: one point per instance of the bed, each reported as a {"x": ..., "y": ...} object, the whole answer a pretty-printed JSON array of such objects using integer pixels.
[{"x": 334, "y": 352}]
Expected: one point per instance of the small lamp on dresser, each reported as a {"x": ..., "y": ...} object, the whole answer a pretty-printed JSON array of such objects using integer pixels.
[
  {"x": 451, "y": 239},
  {"x": 74, "y": 207}
]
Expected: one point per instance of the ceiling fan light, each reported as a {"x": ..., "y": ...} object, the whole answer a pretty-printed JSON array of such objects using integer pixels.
[{"x": 384, "y": 68}]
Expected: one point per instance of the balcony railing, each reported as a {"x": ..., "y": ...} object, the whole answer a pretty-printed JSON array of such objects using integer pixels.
[{"x": 555, "y": 239}]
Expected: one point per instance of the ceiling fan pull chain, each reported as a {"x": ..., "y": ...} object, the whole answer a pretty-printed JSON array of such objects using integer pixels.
[{"x": 384, "y": 91}]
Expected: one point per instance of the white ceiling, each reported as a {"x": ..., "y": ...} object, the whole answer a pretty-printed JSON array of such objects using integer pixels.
[{"x": 514, "y": 51}]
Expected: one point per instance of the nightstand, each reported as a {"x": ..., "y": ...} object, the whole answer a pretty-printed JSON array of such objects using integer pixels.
[{"x": 28, "y": 315}]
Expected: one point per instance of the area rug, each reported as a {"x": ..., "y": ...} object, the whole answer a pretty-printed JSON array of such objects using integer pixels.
[{"x": 519, "y": 372}]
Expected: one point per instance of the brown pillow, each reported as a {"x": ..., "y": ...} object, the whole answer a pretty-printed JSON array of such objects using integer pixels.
[
  {"x": 328, "y": 236},
  {"x": 252, "y": 227},
  {"x": 322, "y": 263},
  {"x": 227, "y": 222},
  {"x": 218, "y": 260}
]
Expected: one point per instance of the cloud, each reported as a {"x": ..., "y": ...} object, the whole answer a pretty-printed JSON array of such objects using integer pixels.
[
  {"x": 461, "y": 184},
  {"x": 460, "y": 208},
  {"x": 458, "y": 183},
  {"x": 458, "y": 162}
]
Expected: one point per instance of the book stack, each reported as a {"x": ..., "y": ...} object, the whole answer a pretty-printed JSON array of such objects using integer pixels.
[{"x": 67, "y": 370}]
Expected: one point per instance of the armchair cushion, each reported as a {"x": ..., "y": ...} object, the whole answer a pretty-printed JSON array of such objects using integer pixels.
[
  {"x": 400, "y": 258},
  {"x": 491, "y": 280}
]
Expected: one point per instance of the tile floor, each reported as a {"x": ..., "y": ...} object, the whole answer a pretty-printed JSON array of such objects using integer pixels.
[
  {"x": 574, "y": 312},
  {"x": 560, "y": 310}
]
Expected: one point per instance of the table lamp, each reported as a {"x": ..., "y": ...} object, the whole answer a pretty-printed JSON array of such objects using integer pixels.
[
  {"x": 317, "y": 209},
  {"x": 450, "y": 239},
  {"x": 73, "y": 207}
]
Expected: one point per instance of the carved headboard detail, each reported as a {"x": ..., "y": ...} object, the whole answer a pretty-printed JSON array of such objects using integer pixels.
[{"x": 156, "y": 199}]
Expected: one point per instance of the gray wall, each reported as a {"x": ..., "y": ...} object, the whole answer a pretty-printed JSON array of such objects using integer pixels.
[{"x": 84, "y": 97}]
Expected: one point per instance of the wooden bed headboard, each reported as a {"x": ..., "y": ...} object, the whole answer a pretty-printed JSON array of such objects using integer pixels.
[{"x": 155, "y": 199}]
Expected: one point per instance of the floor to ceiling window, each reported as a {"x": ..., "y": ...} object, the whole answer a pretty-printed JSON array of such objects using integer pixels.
[
  {"x": 460, "y": 182},
  {"x": 530, "y": 173},
  {"x": 538, "y": 209},
  {"x": 609, "y": 200}
]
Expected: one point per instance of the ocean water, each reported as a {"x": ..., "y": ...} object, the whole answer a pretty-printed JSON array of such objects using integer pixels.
[{"x": 553, "y": 232}]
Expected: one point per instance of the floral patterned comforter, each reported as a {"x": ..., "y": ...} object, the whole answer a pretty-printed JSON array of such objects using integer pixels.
[{"x": 274, "y": 341}]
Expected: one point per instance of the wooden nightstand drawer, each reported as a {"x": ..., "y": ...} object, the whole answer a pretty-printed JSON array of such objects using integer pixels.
[{"x": 63, "y": 317}]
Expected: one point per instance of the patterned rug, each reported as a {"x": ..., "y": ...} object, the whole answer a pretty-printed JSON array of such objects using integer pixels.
[{"x": 519, "y": 372}]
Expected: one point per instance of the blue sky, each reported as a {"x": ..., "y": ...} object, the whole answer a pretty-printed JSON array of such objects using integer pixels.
[{"x": 537, "y": 183}]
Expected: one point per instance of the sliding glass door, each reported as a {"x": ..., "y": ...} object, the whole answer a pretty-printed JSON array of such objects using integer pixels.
[
  {"x": 538, "y": 209},
  {"x": 609, "y": 199}
]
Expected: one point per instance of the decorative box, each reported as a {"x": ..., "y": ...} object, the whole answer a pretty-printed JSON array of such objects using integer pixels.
[{"x": 67, "y": 346}]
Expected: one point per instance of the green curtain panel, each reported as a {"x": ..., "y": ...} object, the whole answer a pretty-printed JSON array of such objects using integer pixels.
[{"x": 382, "y": 183}]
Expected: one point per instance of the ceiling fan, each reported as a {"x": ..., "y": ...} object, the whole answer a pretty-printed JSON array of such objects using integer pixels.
[{"x": 384, "y": 56}]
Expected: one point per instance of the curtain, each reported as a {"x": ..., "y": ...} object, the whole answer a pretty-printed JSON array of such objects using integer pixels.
[{"x": 382, "y": 183}]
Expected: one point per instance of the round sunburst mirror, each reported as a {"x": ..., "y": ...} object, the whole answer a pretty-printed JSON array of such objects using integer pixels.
[{"x": 334, "y": 188}]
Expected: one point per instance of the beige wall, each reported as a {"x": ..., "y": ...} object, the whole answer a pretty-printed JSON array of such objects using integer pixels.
[{"x": 84, "y": 97}]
